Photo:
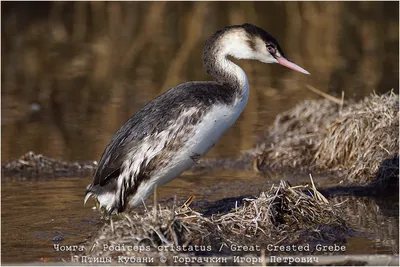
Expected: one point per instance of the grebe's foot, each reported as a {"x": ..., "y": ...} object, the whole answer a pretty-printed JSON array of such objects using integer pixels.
[{"x": 106, "y": 214}]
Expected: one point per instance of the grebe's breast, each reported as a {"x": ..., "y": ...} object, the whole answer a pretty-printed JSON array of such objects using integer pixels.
[
  {"x": 163, "y": 139},
  {"x": 189, "y": 138}
]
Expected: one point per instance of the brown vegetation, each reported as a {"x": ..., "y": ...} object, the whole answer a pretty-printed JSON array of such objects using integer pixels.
[
  {"x": 31, "y": 165},
  {"x": 91, "y": 65},
  {"x": 353, "y": 140},
  {"x": 284, "y": 215}
]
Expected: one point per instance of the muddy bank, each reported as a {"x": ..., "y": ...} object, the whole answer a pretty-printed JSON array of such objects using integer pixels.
[{"x": 33, "y": 166}]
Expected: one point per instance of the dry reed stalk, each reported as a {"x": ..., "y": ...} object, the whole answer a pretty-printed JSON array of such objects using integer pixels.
[
  {"x": 327, "y": 96},
  {"x": 282, "y": 207},
  {"x": 352, "y": 139},
  {"x": 363, "y": 136},
  {"x": 295, "y": 135},
  {"x": 283, "y": 215},
  {"x": 157, "y": 227}
]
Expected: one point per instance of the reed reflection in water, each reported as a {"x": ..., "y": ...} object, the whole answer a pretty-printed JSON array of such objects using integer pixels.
[{"x": 74, "y": 72}]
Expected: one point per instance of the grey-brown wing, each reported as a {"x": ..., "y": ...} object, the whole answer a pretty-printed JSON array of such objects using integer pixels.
[
  {"x": 155, "y": 117},
  {"x": 127, "y": 137}
]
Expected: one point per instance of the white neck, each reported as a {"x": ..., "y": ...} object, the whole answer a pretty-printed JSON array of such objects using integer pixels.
[
  {"x": 217, "y": 63},
  {"x": 234, "y": 71}
]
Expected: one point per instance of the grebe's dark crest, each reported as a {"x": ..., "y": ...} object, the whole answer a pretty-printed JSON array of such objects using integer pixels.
[{"x": 170, "y": 133}]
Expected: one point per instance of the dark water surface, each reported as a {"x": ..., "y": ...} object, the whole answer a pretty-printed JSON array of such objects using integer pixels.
[
  {"x": 73, "y": 73},
  {"x": 52, "y": 212}
]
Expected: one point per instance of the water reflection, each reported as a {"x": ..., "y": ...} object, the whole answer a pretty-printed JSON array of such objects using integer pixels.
[
  {"x": 77, "y": 71},
  {"x": 74, "y": 72}
]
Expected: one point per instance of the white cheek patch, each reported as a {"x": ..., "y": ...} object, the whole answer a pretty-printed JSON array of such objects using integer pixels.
[{"x": 262, "y": 53}]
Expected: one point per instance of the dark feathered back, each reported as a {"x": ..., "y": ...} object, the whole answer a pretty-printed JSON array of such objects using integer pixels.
[{"x": 155, "y": 117}]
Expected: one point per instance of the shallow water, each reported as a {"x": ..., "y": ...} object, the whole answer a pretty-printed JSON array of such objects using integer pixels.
[
  {"x": 69, "y": 86},
  {"x": 52, "y": 212}
]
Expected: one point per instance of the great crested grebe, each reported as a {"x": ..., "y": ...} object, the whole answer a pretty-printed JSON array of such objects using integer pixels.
[{"x": 170, "y": 133}]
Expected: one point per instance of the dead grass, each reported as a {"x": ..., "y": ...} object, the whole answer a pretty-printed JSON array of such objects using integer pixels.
[
  {"x": 282, "y": 215},
  {"x": 169, "y": 227},
  {"x": 363, "y": 136},
  {"x": 31, "y": 165},
  {"x": 352, "y": 140},
  {"x": 295, "y": 135}
]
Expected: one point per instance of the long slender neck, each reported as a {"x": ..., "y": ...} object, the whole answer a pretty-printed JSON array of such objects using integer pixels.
[{"x": 217, "y": 64}]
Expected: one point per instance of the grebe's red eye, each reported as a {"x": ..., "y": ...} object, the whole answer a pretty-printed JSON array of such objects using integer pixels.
[{"x": 271, "y": 49}]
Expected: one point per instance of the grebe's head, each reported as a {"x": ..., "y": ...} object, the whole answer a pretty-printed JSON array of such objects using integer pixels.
[{"x": 248, "y": 41}]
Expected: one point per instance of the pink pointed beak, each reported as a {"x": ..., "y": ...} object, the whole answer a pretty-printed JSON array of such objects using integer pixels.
[{"x": 283, "y": 61}]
